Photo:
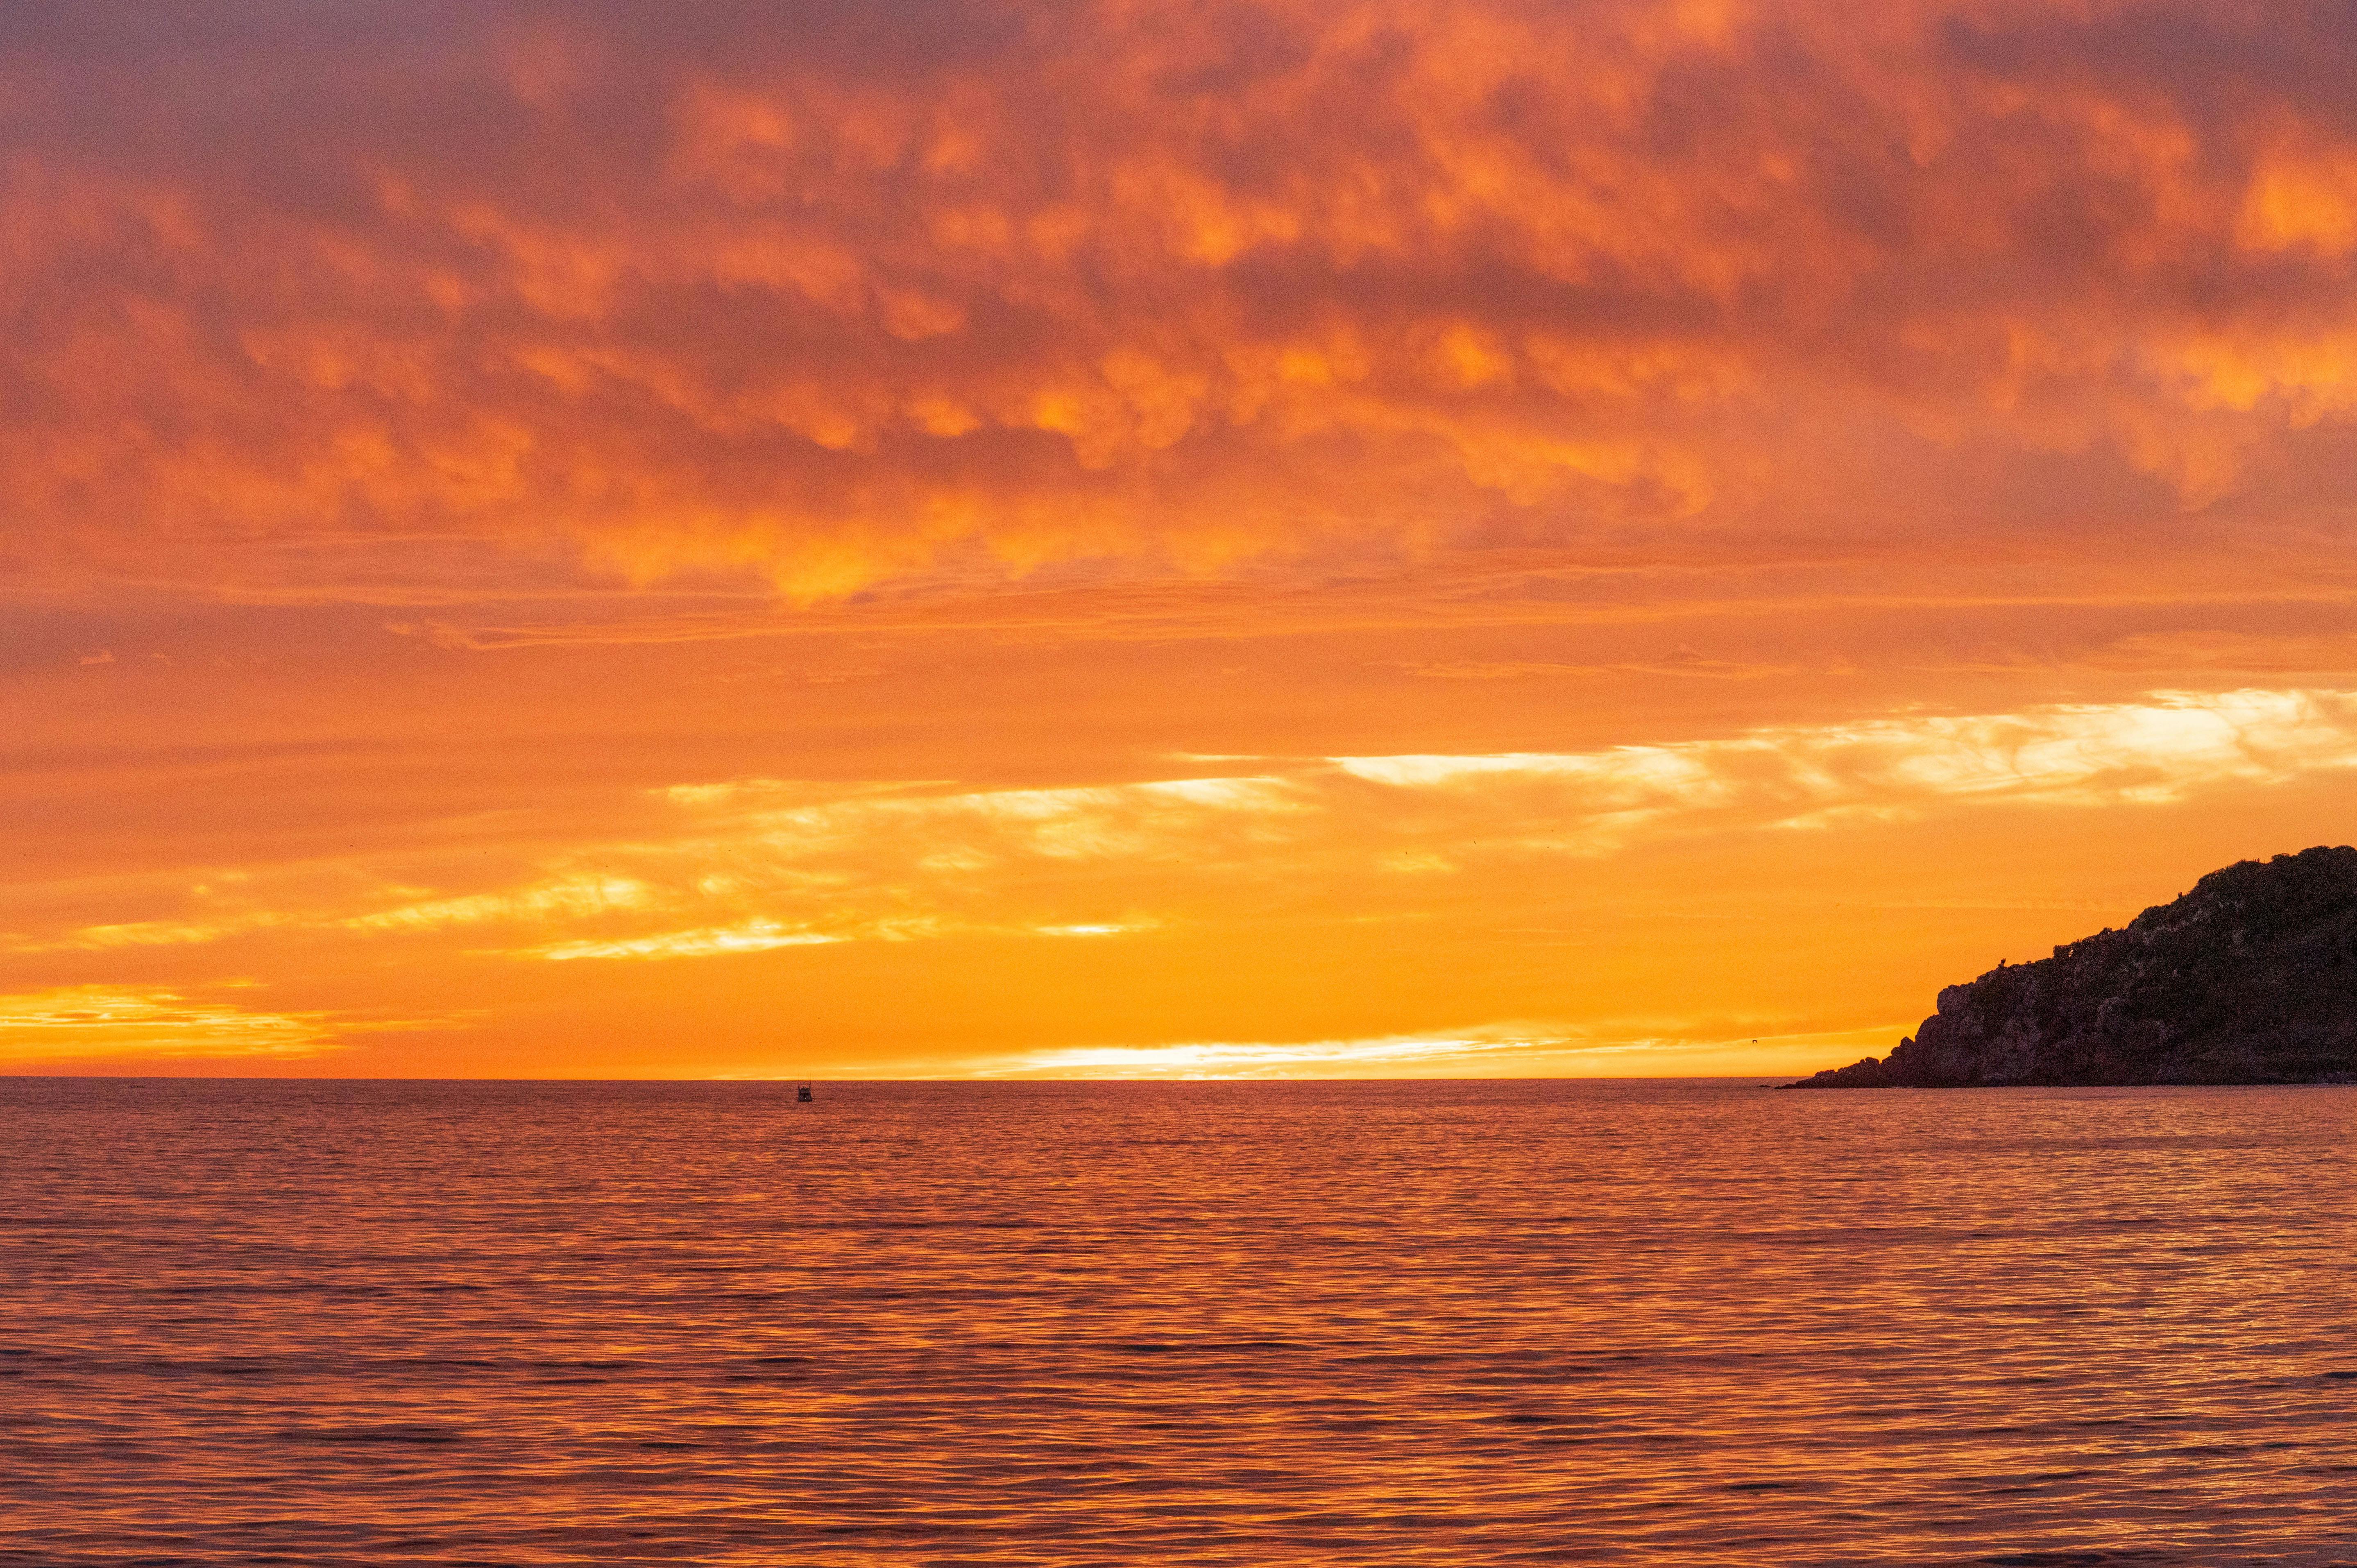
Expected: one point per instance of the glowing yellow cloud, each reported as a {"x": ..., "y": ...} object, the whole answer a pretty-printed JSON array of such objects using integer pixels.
[
  {"x": 757, "y": 864},
  {"x": 99, "y": 1022}
]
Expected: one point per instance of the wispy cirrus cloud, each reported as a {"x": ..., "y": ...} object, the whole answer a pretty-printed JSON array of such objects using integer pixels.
[
  {"x": 747, "y": 936},
  {"x": 2163, "y": 749},
  {"x": 105, "y": 1021},
  {"x": 756, "y": 866}
]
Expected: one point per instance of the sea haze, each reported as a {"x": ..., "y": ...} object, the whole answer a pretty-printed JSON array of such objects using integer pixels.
[{"x": 1222, "y": 1323}]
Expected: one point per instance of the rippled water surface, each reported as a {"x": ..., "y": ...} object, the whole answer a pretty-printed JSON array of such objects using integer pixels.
[{"x": 1372, "y": 1322}]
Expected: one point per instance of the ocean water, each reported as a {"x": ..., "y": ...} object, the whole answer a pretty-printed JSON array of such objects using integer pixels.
[{"x": 1369, "y": 1323}]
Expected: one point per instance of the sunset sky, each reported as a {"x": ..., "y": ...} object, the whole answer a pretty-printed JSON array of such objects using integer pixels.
[{"x": 882, "y": 540}]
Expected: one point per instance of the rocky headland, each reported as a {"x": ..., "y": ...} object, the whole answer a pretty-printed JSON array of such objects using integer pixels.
[{"x": 2250, "y": 978}]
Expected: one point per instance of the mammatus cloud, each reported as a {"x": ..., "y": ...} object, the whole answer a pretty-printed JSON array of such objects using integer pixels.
[
  {"x": 759, "y": 864},
  {"x": 858, "y": 292}
]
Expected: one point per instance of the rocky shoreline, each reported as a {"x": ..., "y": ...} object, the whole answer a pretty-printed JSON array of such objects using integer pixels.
[{"x": 2249, "y": 978}]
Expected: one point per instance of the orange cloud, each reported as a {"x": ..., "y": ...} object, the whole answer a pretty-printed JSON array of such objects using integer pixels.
[{"x": 852, "y": 300}]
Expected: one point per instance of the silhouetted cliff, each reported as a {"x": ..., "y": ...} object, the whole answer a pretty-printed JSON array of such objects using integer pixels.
[{"x": 2250, "y": 978}]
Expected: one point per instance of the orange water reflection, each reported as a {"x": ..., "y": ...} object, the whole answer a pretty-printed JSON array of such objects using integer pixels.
[{"x": 1663, "y": 1323}]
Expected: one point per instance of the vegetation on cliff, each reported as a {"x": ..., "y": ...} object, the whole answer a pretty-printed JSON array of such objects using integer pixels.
[{"x": 2250, "y": 978}]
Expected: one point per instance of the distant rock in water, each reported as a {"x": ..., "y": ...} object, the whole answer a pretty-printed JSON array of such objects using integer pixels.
[{"x": 2250, "y": 978}]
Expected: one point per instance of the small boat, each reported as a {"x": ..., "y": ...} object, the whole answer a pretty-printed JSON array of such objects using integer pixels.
[{"x": 802, "y": 1094}]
